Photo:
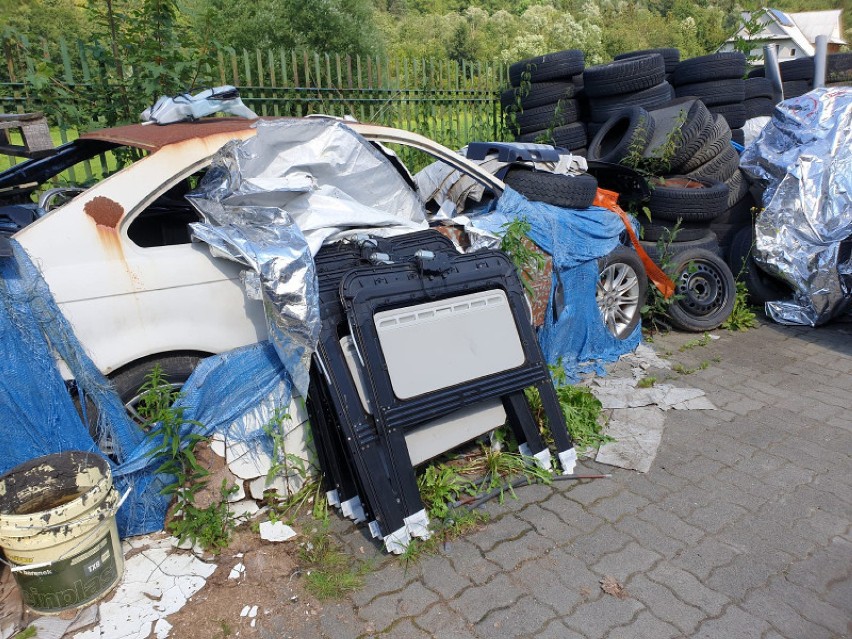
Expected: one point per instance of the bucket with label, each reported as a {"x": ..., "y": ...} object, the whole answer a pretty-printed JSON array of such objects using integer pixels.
[{"x": 58, "y": 532}]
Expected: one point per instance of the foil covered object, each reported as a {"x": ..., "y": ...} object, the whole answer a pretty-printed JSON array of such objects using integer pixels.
[
  {"x": 803, "y": 159},
  {"x": 270, "y": 203}
]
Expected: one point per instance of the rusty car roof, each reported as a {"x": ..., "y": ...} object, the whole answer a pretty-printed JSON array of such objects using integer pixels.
[{"x": 152, "y": 137}]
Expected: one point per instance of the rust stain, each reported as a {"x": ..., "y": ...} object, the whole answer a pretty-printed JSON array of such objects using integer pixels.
[{"x": 104, "y": 211}]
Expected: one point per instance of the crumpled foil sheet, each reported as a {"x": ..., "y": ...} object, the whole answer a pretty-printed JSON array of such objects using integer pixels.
[
  {"x": 270, "y": 203},
  {"x": 803, "y": 159}
]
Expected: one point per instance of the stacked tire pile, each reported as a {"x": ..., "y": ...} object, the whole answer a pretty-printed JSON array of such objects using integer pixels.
[
  {"x": 636, "y": 79},
  {"x": 717, "y": 80},
  {"x": 702, "y": 193},
  {"x": 541, "y": 104},
  {"x": 759, "y": 98},
  {"x": 797, "y": 76}
]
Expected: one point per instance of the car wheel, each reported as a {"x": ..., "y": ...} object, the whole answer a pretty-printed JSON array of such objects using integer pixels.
[
  {"x": 621, "y": 289},
  {"x": 705, "y": 291},
  {"x": 128, "y": 382}
]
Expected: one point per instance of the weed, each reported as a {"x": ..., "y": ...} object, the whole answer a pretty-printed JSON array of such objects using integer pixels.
[
  {"x": 694, "y": 343},
  {"x": 26, "y": 633},
  {"x": 210, "y": 527},
  {"x": 646, "y": 382},
  {"x": 742, "y": 316},
  {"x": 224, "y": 630},
  {"x": 704, "y": 365},
  {"x": 440, "y": 487},
  {"x": 683, "y": 370},
  {"x": 517, "y": 245},
  {"x": 331, "y": 573},
  {"x": 580, "y": 407},
  {"x": 656, "y": 306}
]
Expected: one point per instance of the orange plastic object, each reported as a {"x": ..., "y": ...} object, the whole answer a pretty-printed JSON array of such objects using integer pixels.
[{"x": 609, "y": 200}]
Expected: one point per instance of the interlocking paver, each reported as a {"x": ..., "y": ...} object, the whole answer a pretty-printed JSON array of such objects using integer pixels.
[
  {"x": 643, "y": 626},
  {"x": 741, "y": 529},
  {"x": 689, "y": 589},
  {"x": 665, "y": 604},
  {"x": 509, "y": 624}
]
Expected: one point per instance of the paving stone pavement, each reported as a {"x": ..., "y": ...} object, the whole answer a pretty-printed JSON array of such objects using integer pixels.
[{"x": 742, "y": 527}]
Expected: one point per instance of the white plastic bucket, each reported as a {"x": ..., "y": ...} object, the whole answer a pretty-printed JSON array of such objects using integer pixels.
[{"x": 57, "y": 529}]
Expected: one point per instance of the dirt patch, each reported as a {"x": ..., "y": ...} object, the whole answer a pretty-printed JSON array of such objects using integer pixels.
[{"x": 270, "y": 581}]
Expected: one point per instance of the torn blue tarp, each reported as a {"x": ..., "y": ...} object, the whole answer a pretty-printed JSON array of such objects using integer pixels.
[
  {"x": 575, "y": 238},
  {"x": 39, "y": 416}
]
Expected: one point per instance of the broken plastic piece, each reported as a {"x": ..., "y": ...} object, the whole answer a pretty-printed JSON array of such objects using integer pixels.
[
  {"x": 353, "y": 509},
  {"x": 333, "y": 498},
  {"x": 418, "y": 525},
  {"x": 568, "y": 460},
  {"x": 397, "y": 541}
]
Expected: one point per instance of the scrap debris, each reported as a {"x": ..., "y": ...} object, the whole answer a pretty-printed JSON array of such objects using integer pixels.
[{"x": 611, "y": 586}]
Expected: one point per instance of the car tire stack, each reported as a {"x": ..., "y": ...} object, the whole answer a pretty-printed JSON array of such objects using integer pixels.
[
  {"x": 717, "y": 80},
  {"x": 759, "y": 98},
  {"x": 631, "y": 81},
  {"x": 541, "y": 104}
]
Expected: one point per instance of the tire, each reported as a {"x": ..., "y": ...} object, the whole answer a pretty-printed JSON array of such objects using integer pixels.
[
  {"x": 756, "y": 107},
  {"x": 128, "y": 381},
  {"x": 624, "y": 76},
  {"x": 838, "y": 67},
  {"x": 735, "y": 114},
  {"x": 716, "y": 66},
  {"x": 566, "y": 191},
  {"x": 690, "y": 199},
  {"x": 708, "y": 242},
  {"x": 671, "y": 57},
  {"x": 621, "y": 290},
  {"x": 695, "y": 130},
  {"x": 652, "y": 98},
  {"x": 705, "y": 291},
  {"x": 757, "y": 72},
  {"x": 721, "y": 168},
  {"x": 548, "y": 116},
  {"x": 757, "y": 88},
  {"x": 662, "y": 229},
  {"x": 762, "y": 287},
  {"x": 798, "y": 69},
  {"x": 630, "y": 130},
  {"x": 737, "y": 188},
  {"x": 795, "y": 88},
  {"x": 553, "y": 66},
  {"x": 718, "y": 140},
  {"x": 714, "y": 92},
  {"x": 571, "y": 136},
  {"x": 538, "y": 94}
]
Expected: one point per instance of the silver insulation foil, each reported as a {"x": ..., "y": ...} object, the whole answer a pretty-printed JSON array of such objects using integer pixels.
[
  {"x": 803, "y": 235},
  {"x": 270, "y": 203}
]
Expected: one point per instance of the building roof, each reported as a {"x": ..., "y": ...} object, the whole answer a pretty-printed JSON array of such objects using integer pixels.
[
  {"x": 800, "y": 28},
  {"x": 814, "y": 23}
]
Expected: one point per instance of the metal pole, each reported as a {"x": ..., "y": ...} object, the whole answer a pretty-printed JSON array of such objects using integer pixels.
[
  {"x": 820, "y": 56},
  {"x": 770, "y": 65}
]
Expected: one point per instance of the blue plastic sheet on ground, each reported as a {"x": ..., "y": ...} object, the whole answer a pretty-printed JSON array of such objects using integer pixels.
[
  {"x": 575, "y": 238},
  {"x": 39, "y": 416}
]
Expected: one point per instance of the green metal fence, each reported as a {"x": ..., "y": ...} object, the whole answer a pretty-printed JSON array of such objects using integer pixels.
[{"x": 451, "y": 102}]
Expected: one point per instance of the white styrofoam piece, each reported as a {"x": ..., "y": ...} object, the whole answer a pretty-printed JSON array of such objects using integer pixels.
[
  {"x": 217, "y": 444},
  {"x": 156, "y": 583},
  {"x": 245, "y": 611},
  {"x": 276, "y": 531},
  {"x": 375, "y": 531},
  {"x": 162, "y": 628},
  {"x": 332, "y": 497},
  {"x": 237, "y": 571},
  {"x": 253, "y": 612},
  {"x": 283, "y": 485},
  {"x": 247, "y": 508}
]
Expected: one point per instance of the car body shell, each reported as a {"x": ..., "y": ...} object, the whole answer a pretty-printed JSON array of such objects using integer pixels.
[{"x": 127, "y": 302}]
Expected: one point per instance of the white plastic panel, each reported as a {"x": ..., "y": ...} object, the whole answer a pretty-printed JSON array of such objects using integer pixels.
[
  {"x": 440, "y": 435},
  {"x": 439, "y": 344}
]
